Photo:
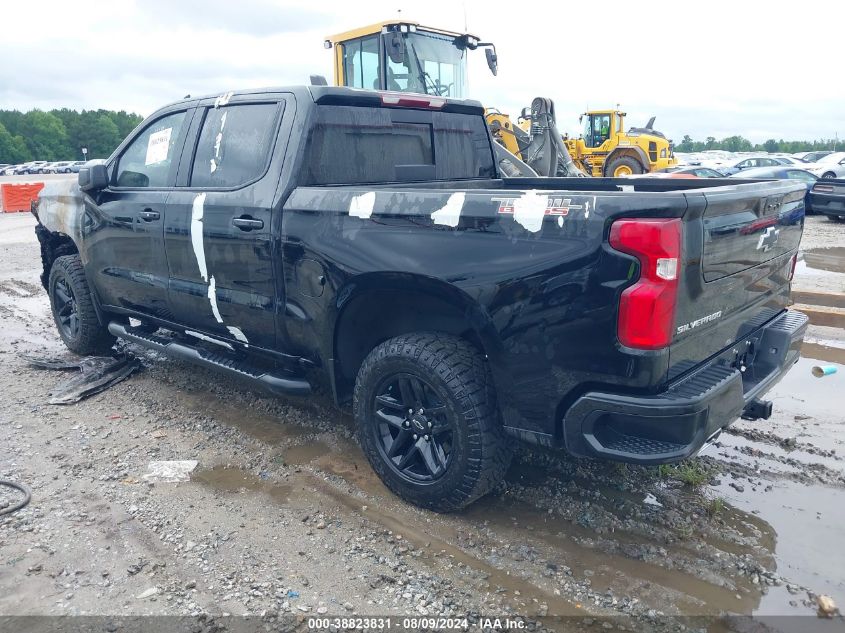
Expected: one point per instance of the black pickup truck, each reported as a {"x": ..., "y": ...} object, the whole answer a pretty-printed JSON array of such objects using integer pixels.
[{"x": 366, "y": 242}]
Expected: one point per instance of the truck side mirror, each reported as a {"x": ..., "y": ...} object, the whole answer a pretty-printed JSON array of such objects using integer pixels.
[
  {"x": 93, "y": 177},
  {"x": 492, "y": 59}
]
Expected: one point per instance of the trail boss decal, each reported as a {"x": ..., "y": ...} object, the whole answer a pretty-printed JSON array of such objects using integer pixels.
[
  {"x": 554, "y": 206},
  {"x": 694, "y": 324}
]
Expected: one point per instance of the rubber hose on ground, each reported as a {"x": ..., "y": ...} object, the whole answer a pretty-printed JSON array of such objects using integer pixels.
[{"x": 27, "y": 496}]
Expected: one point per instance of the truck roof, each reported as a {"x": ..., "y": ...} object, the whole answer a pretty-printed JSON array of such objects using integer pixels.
[{"x": 331, "y": 95}]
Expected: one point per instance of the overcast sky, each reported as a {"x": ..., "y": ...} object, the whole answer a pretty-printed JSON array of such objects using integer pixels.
[{"x": 758, "y": 69}]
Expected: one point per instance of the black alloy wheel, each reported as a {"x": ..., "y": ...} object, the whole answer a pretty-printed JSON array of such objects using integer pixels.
[{"x": 414, "y": 429}]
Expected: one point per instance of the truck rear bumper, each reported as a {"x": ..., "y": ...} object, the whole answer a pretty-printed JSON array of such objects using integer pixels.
[{"x": 676, "y": 423}]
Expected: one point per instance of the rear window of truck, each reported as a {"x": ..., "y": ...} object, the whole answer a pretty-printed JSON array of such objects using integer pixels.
[{"x": 356, "y": 145}]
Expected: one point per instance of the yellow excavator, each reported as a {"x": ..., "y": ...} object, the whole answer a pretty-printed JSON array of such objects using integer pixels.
[{"x": 402, "y": 56}]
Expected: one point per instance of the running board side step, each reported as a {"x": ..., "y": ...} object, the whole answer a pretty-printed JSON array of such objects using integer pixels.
[{"x": 278, "y": 384}]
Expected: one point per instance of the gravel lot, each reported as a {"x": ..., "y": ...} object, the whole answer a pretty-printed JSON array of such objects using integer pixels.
[{"x": 283, "y": 514}]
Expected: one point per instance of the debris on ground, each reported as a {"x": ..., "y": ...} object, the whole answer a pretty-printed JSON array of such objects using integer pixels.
[
  {"x": 98, "y": 373},
  {"x": 170, "y": 471},
  {"x": 827, "y": 607}
]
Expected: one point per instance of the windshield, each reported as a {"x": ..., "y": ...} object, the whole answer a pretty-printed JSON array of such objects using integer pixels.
[{"x": 431, "y": 64}]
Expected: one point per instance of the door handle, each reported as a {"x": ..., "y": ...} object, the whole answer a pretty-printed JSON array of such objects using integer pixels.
[
  {"x": 246, "y": 223},
  {"x": 148, "y": 215}
]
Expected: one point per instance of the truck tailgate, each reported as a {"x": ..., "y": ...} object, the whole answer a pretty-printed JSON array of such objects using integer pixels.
[
  {"x": 742, "y": 231},
  {"x": 739, "y": 245}
]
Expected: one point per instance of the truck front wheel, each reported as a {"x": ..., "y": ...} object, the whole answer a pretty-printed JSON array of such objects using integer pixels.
[
  {"x": 624, "y": 166},
  {"x": 73, "y": 308},
  {"x": 427, "y": 420}
]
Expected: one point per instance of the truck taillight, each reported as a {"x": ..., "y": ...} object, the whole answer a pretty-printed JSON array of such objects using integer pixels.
[
  {"x": 647, "y": 308},
  {"x": 792, "y": 264}
]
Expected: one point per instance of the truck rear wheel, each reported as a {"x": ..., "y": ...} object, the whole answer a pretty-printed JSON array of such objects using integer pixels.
[
  {"x": 73, "y": 308},
  {"x": 624, "y": 166},
  {"x": 427, "y": 420}
]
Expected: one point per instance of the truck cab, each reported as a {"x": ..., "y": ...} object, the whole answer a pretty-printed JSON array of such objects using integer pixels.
[{"x": 403, "y": 56}]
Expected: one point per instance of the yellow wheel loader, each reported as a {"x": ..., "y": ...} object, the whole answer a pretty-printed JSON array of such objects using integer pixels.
[{"x": 605, "y": 149}]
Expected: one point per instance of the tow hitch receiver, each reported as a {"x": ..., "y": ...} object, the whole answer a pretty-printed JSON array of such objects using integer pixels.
[{"x": 757, "y": 410}]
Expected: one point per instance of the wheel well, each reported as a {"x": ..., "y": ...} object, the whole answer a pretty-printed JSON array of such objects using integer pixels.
[
  {"x": 376, "y": 315},
  {"x": 53, "y": 246}
]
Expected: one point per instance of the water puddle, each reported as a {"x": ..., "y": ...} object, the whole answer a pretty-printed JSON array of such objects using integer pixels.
[
  {"x": 822, "y": 352},
  {"x": 305, "y": 453},
  {"x": 437, "y": 551},
  {"x": 803, "y": 394},
  {"x": 231, "y": 480},
  {"x": 807, "y": 522},
  {"x": 830, "y": 259},
  {"x": 523, "y": 523}
]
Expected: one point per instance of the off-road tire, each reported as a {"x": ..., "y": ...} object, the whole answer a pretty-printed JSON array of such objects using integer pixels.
[
  {"x": 90, "y": 337},
  {"x": 480, "y": 452},
  {"x": 632, "y": 163}
]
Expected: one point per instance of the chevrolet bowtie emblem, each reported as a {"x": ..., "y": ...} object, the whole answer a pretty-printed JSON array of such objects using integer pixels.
[{"x": 768, "y": 239}]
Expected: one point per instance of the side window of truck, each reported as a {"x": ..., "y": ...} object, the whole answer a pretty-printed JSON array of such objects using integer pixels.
[
  {"x": 148, "y": 159},
  {"x": 234, "y": 144}
]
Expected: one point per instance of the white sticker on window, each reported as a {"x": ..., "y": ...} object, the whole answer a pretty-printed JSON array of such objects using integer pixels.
[{"x": 158, "y": 146}]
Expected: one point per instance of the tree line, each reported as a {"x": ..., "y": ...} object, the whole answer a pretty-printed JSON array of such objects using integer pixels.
[
  {"x": 740, "y": 144},
  {"x": 61, "y": 134}
]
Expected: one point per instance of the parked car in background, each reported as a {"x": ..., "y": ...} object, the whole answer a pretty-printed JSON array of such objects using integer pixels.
[
  {"x": 59, "y": 167},
  {"x": 75, "y": 165},
  {"x": 35, "y": 167},
  {"x": 740, "y": 163},
  {"x": 783, "y": 172},
  {"x": 830, "y": 166},
  {"x": 695, "y": 170},
  {"x": 812, "y": 157},
  {"x": 789, "y": 160},
  {"x": 828, "y": 197}
]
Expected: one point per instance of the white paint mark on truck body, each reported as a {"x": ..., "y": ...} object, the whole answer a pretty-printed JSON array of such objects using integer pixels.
[
  {"x": 196, "y": 234},
  {"x": 362, "y": 206},
  {"x": 209, "y": 339},
  {"x": 223, "y": 99},
  {"x": 530, "y": 209},
  {"x": 237, "y": 333},
  {"x": 450, "y": 213},
  {"x": 212, "y": 299}
]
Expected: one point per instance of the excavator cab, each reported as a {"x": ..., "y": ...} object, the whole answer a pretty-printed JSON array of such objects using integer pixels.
[{"x": 406, "y": 57}]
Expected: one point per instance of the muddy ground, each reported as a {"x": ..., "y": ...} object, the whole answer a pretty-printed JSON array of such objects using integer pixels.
[{"x": 283, "y": 514}]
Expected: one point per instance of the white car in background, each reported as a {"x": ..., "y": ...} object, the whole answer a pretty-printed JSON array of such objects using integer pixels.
[
  {"x": 831, "y": 166},
  {"x": 739, "y": 163}
]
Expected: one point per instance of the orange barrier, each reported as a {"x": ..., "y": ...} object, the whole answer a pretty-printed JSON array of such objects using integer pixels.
[{"x": 19, "y": 197}]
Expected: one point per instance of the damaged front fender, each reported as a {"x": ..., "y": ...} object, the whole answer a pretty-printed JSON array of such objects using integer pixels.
[{"x": 61, "y": 208}]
